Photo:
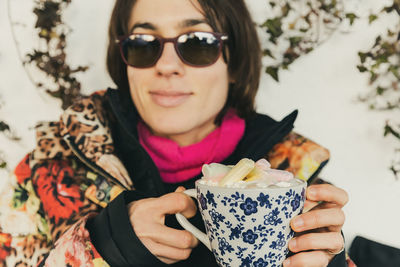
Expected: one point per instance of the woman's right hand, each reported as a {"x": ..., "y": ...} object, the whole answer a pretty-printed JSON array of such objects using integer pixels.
[{"x": 147, "y": 217}]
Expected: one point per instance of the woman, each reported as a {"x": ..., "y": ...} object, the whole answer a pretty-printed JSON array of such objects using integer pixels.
[{"x": 103, "y": 181}]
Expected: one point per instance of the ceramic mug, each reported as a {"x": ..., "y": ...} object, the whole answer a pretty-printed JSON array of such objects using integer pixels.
[{"x": 246, "y": 226}]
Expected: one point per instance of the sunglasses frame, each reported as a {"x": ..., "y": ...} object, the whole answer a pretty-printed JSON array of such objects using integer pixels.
[{"x": 219, "y": 36}]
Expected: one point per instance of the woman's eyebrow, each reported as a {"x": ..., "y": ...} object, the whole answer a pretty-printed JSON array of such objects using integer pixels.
[
  {"x": 183, "y": 24},
  {"x": 144, "y": 25},
  {"x": 191, "y": 22}
]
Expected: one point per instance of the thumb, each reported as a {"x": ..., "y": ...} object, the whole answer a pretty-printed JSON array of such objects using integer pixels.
[
  {"x": 176, "y": 202},
  {"x": 180, "y": 189}
]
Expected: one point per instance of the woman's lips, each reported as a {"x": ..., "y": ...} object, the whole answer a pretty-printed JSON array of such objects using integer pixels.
[{"x": 169, "y": 99}]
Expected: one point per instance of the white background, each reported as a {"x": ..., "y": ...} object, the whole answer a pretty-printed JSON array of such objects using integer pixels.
[{"x": 323, "y": 86}]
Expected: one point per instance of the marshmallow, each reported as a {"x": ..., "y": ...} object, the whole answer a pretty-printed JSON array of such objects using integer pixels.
[{"x": 238, "y": 172}]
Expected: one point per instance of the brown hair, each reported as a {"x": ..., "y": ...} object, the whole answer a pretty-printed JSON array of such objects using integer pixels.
[{"x": 243, "y": 53}]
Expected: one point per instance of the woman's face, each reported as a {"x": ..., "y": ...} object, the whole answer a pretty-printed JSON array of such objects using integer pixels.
[{"x": 176, "y": 100}]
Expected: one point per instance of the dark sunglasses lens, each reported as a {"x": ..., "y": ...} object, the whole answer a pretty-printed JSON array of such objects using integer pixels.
[
  {"x": 199, "y": 48},
  {"x": 141, "y": 50}
]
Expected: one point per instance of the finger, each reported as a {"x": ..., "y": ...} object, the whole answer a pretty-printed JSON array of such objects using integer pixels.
[
  {"x": 166, "y": 252},
  {"x": 173, "y": 203},
  {"x": 168, "y": 236},
  {"x": 308, "y": 205},
  {"x": 325, "y": 205},
  {"x": 316, "y": 258},
  {"x": 327, "y": 193},
  {"x": 317, "y": 219},
  {"x": 332, "y": 242}
]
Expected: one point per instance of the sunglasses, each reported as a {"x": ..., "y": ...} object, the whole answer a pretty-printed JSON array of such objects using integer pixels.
[{"x": 197, "y": 49}]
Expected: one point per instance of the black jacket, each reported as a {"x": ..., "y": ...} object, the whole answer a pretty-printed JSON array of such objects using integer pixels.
[{"x": 111, "y": 231}]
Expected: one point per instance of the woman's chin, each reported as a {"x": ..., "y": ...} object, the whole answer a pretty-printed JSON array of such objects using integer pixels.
[
  {"x": 182, "y": 133},
  {"x": 170, "y": 129},
  {"x": 185, "y": 126}
]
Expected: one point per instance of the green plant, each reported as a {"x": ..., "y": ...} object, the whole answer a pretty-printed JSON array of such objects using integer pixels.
[
  {"x": 295, "y": 28},
  {"x": 382, "y": 64},
  {"x": 51, "y": 57}
]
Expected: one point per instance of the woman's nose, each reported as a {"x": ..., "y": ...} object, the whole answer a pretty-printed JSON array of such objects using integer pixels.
[{"x": 169, "y": 62}]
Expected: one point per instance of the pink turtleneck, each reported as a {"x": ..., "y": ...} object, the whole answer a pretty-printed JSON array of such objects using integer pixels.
[{"x": 178, "y": 164}]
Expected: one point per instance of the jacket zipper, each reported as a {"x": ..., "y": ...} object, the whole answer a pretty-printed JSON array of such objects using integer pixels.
[{"x": 90, "y": 164}]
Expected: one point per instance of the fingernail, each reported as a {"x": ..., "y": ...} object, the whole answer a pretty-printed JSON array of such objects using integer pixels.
[
  {"x": 298, "y": 223},
  {"x": 292, "y": 243},
  {"x": 286, "y": 263}
]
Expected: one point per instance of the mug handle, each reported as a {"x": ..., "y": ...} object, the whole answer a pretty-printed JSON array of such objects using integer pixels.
[{"x": 190, "y": 227}]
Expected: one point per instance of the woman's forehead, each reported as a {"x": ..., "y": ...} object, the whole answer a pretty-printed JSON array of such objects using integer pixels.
[{"x": 172, "y": 14}]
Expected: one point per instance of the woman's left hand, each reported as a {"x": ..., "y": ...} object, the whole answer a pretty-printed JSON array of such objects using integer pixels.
[{"x": 318, "y": 229}]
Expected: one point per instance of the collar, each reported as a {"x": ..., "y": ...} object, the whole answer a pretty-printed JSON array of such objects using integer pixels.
[{"x": 87, "y": 128}]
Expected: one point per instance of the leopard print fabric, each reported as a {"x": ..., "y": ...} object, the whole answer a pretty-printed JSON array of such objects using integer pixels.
[
  {"x": 51, "y": 183},
  {"x": 26, "y": 251},
  {"x": 49, "y": 143},
  {"x": 86, "y": 124}
]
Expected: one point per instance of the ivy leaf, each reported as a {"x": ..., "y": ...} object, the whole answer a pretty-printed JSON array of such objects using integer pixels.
[
  {"x": 380, "y": 90},
  {"x": 395, "y": 70},
  {"x": 372, "y": 18},
  {"x": 4, "y": 126},
  {"x": 363, "y": 56},
  {"x": 395, "y": 172},
  {"x": 273, "y": 72},
  {"x": 377, "y": 41},
  {"x": 373, "y": 77},
  {"x": 395, "y": 6},
  {"x": 267, "y": 52},
  {"x": 294, "y": 41},
  {"x": 3, "y": 164},
  {"x": 286, "y": 9},
  {"x": 290, "y": 56},
  {"x": 390, "y": 33},
  {"x": 285, "y": 65},
  {"x": 379, "y": 60},
  {"x": 352, "y": 17},
  {"x": 362, "y": 68},
  {"x": 55, "y": 94},
  {"x": 48, "y": 15},
  {"x": 274, "y": 28},
  {"x": 388, "y": 9},
  {"x": 390, "y": 130}
]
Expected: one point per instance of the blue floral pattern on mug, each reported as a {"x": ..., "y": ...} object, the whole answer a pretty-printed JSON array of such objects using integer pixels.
[
  {"x": 249, "y": 237},
  {"x": 203, "y": 202},
  {"x": 273, "y": 218},
  {"x": 249, "y": 206},
  {"x": 250, "y": 227}
]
